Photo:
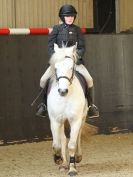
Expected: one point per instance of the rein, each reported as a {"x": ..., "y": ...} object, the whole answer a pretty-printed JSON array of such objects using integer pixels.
[{"x": 65, "y": 77}]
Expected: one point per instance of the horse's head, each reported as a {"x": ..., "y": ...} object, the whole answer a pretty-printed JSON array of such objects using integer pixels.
[
  {"x": 64, "y": 74},
  {"x": 63, "y": 62}
]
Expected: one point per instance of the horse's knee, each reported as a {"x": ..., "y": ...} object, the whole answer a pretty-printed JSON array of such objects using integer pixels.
[{"x": 90, "y": 82}]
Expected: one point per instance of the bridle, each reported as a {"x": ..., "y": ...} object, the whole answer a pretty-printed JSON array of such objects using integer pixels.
[{"x": 65, "y": 77}]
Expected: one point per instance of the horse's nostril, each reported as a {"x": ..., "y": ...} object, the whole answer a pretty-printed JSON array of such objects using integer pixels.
[
  {"x": 59, "y": 90},
  {"x": 66, "y": 90}
]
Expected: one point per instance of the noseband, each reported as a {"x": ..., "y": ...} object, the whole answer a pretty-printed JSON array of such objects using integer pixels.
[{"x": 65, "y": 77}]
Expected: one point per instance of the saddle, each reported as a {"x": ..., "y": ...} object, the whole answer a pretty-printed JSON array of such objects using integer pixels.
[{"x": 82, "y": 82}]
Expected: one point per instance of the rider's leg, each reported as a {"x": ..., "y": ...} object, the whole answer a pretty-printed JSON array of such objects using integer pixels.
[
  {"x": 42, "y": 107},
  {"x": 93, "y": 110},
  {"x": 48, "y": 74}
]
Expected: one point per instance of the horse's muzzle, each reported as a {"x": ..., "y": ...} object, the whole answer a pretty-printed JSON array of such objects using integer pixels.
[{"x": 63, "y": 92}]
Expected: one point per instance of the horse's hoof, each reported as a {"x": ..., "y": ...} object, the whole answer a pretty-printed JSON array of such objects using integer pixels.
[
  {"x": 78, "y": 158},
  {"x": 72, "y": 173},
  {"x": 58, "y": 159}
]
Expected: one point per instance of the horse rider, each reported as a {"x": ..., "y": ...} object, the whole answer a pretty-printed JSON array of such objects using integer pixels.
[{"x": 68, "y": 34}]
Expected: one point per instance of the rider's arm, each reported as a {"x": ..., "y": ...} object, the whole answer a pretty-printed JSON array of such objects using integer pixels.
[
  {"x": 52, "y": 38},
  {"x": 80, "y": 43}
]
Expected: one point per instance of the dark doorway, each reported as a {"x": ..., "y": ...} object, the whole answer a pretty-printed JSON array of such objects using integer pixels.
[{"x": 104, "y": 16}]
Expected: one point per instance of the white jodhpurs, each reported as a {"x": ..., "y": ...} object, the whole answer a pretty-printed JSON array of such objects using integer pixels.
[
  {"x": 47, "y": 75},
  {"x": 82, "y": 70}
]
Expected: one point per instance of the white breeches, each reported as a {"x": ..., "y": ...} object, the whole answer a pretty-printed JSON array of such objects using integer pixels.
[
  {"x": 48, "y": 74},
  {"x": 80, "y": 68}
]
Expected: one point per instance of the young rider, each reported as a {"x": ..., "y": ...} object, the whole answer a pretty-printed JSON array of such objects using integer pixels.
[{"x": 68, "y": 34}]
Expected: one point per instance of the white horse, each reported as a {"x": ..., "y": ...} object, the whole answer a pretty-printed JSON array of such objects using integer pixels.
[{"x": 66, "y": 101}]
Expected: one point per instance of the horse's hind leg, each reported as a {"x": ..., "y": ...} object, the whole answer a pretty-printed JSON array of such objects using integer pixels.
[
  {"x": 56, "y": 131},
  {"x": 78, "y": 154}
]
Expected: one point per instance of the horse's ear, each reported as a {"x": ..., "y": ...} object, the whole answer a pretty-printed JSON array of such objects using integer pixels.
[
  {"x": 55, "y": 47},
  {"x": 75, "y": 48},
  {"x": 76, "y": 45}
]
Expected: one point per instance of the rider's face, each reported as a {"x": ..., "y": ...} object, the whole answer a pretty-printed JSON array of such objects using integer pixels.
[{"x": 69, "y": 20}]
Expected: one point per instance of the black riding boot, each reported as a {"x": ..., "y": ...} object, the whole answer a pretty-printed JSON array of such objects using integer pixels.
[
  {"x": 93, "y": 110},
  {"x": 42, "y": 107}
]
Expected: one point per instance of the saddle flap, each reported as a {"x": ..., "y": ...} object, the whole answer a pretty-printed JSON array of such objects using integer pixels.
[{"x": 82, "y": 82}]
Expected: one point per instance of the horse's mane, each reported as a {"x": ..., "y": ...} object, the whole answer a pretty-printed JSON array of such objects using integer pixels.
[{"x": 61, "y": 53}]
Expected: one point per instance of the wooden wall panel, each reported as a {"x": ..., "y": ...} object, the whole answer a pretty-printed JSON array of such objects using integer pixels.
[
  {"x": 42, "y": 13},
  {"x": 7, "y": 13},
  {"x": 126, "y": 14},
  {"x": 85, "y": 13},
  {"x": 28, "y": 13}
]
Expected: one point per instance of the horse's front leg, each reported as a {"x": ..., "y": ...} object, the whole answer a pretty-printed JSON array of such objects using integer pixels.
[
  {"x": 64, "y": 165},
  {"x": 56, "y": 133},
  {"x": 72, "y": 145},
  {"x": 59, "y": 144}
]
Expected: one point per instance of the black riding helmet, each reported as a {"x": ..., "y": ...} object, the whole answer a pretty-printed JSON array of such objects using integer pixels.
[{"x": 67, "y": 10}]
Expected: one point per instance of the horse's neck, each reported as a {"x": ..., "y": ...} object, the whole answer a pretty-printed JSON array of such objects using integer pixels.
[{"x": 76, "y": 82}]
